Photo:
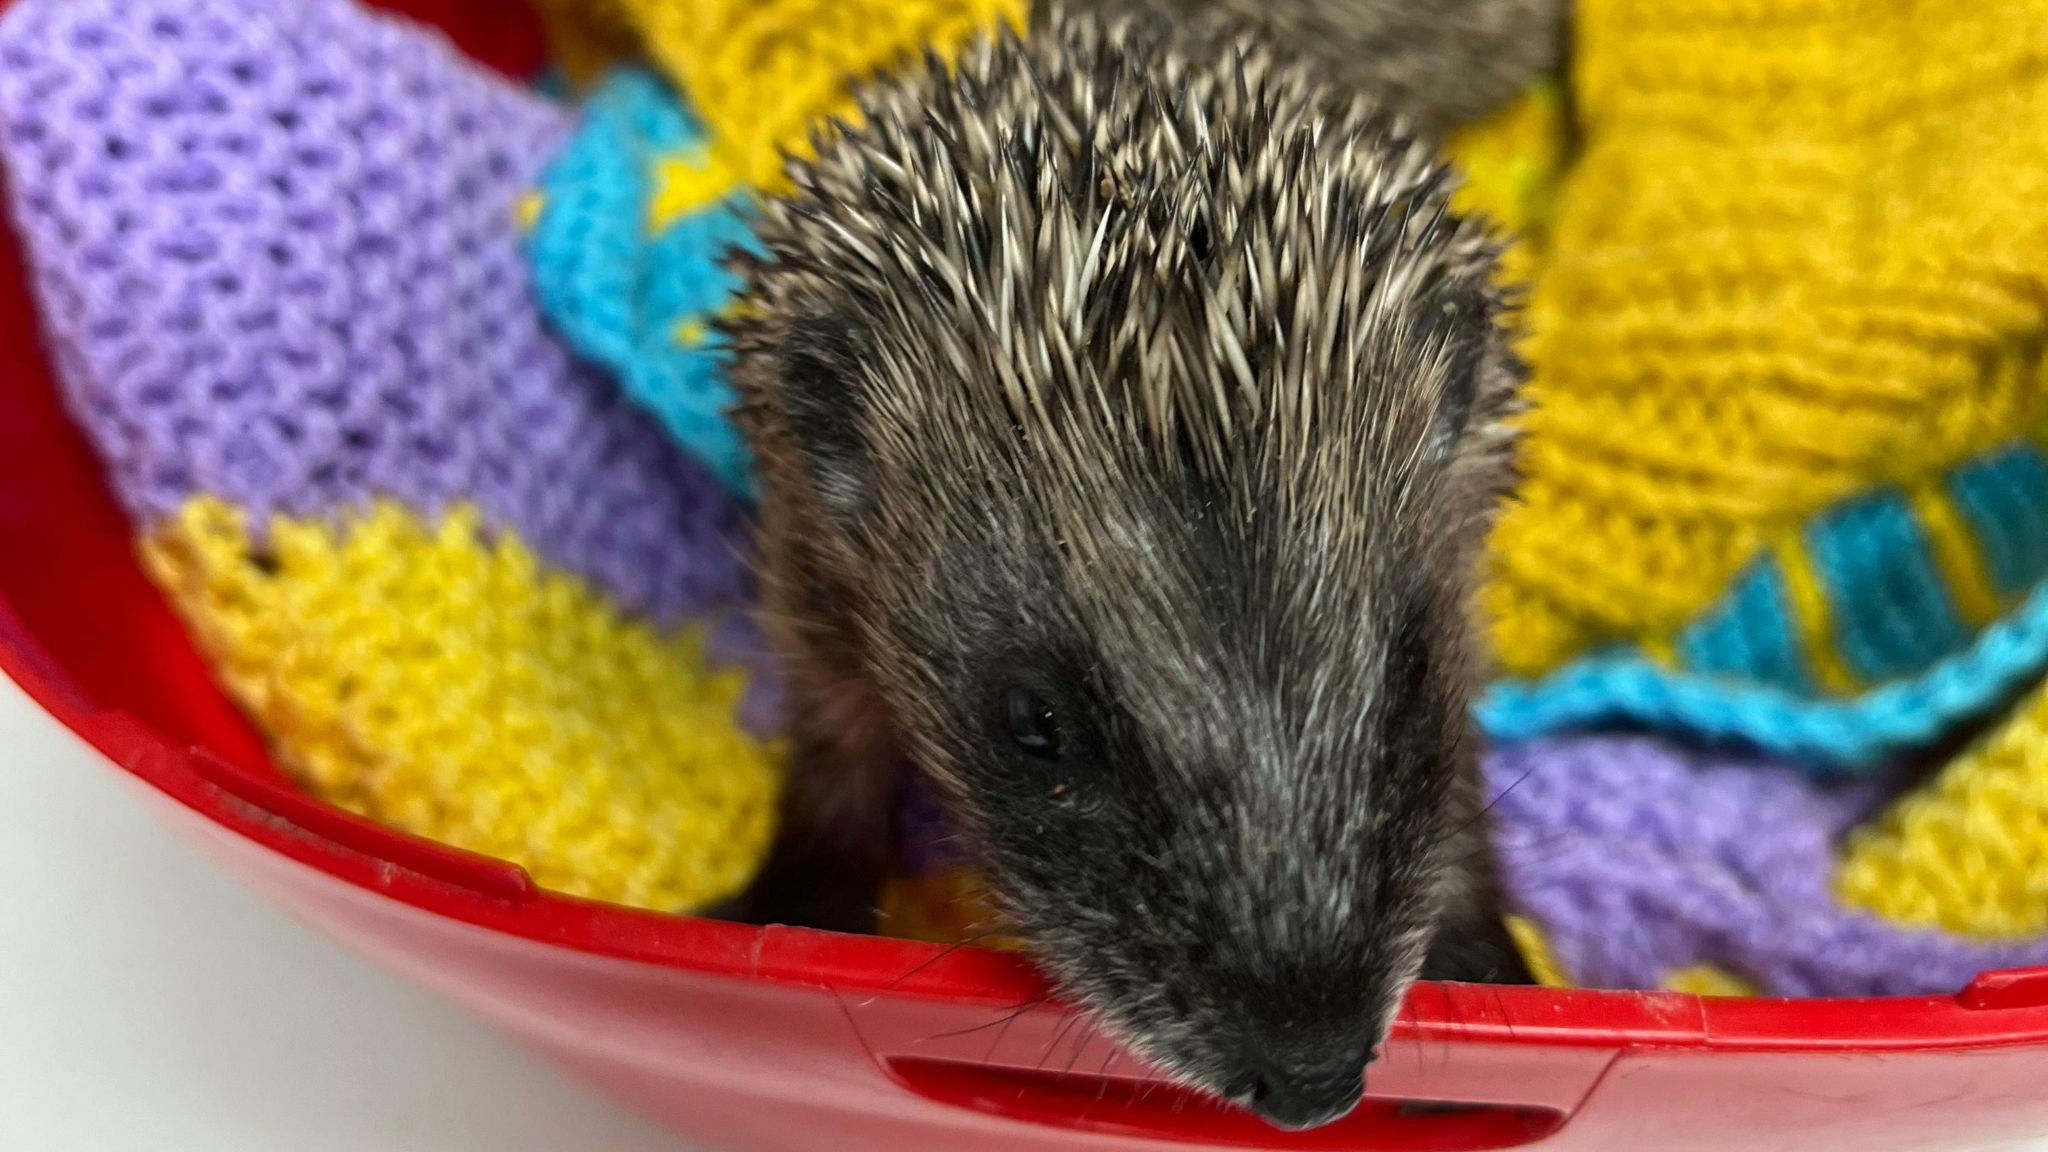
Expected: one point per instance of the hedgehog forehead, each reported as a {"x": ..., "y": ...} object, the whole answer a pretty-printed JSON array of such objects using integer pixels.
[
  {"x": 988, "y": 182},
  {"x": 1213, "y": 623},
  {"x": 1188, "y": 253},
  {"x": 1093, "y": 265}
]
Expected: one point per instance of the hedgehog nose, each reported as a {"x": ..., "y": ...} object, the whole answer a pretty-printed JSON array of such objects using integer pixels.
[{"x": 1301, "y": 1091}]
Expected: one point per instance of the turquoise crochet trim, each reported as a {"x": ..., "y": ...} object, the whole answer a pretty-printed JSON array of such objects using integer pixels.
[
  {"x": 642, "y": 305},
  {"x": 1742, "y": 672},
  {"x": 1828, "y": 737}
]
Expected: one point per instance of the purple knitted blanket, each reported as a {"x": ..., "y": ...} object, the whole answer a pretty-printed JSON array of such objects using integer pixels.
[{"x": 1638, "y": 858}]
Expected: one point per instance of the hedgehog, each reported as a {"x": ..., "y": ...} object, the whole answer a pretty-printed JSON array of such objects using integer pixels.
[
  {"x": 1440, "y": 63},
  {"x": 1127, "y": 416}
]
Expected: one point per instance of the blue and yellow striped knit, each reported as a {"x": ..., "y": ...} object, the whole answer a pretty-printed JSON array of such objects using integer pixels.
[
  {"x": 1877, "y": 626},
  {"x": 1782, "y": 464}
]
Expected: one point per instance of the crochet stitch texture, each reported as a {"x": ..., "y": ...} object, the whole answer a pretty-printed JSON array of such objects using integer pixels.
[
  {"x": 1772, "y": 288},
  {"x": 764, "y": 75},
  {"x": 464, "y": 586},
  {"x": 1638, "y": 862}
]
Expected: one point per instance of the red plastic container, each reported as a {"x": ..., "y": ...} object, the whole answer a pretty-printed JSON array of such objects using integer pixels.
[{"x": 780, "y": 1039}]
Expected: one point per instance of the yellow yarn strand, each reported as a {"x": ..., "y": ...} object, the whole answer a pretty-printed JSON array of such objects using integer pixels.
[
  {"x": 686, "y": 183},
  {"x": 1536, "y": 953},
  {"x": 527, "y": 211},
  {"x": 1956, "y": 553},
  {"x": 449, "y": 684},
  {"x": 1708, "y": 980},
  {"x": 1812, "y": 617}
]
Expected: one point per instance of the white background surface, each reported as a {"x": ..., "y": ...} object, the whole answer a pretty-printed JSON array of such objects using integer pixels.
[{"x": 148, "y": 1003}]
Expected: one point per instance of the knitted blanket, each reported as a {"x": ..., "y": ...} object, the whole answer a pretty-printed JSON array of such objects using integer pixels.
[
  {"x": 1784, "y": 476},
  {"x": 407, "y": 379},
  {"x": 461, "y": 584}
]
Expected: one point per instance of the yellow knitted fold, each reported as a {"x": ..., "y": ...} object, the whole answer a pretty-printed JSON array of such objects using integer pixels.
[
  {"x": 1799, "y": 253},
  {"x": 762, "y": 74},
  {"x": 1968, "y": 849},
  {"x": 444, "y": 680}
]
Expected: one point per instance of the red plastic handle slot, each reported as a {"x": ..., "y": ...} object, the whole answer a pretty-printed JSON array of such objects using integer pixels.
[
  {"x": 1045, "y": 1064},
  {"x": 1109, "y": 1105},
  {"x": 2006, "y": 989}
]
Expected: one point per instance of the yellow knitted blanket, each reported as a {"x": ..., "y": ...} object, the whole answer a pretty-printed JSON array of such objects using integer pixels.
[
  {"x": 1801, "y": 254},
  {"x": 762, "y": 74}
]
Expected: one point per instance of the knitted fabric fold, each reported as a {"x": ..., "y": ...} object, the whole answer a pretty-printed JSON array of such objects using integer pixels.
[
  {"x": 1636, "y": 862},
  {"x": 1783, "y": 468},
  {"x": 1880, "y": 626},
  {"x": 462, "y": 585},
  {"x": 628, "y": 232},
  {"x": 344, "y": 316},
  {"x": 763, "y": 74}
]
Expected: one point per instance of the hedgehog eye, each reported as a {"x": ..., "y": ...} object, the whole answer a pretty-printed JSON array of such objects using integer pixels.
[{"x": 1029, "y": 723}]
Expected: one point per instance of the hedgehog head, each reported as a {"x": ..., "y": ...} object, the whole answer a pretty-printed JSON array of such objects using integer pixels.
[{"x": 1152, "y": 405}]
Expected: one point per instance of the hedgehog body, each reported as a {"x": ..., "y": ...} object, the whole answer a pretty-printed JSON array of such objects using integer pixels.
[
  {"x": 1440, "y": 63},
  {"x": 1128, "y": 416}
]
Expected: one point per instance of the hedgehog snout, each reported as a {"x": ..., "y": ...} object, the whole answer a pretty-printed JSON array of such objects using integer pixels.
[{"x": 1296, "y": 1085}]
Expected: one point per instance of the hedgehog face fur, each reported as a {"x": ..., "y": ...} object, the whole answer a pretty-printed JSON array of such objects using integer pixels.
[{"x": 1127, "y": 421}]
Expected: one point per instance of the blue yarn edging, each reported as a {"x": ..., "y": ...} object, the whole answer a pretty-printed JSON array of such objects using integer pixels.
[{"x": 1823, "y": 737}]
